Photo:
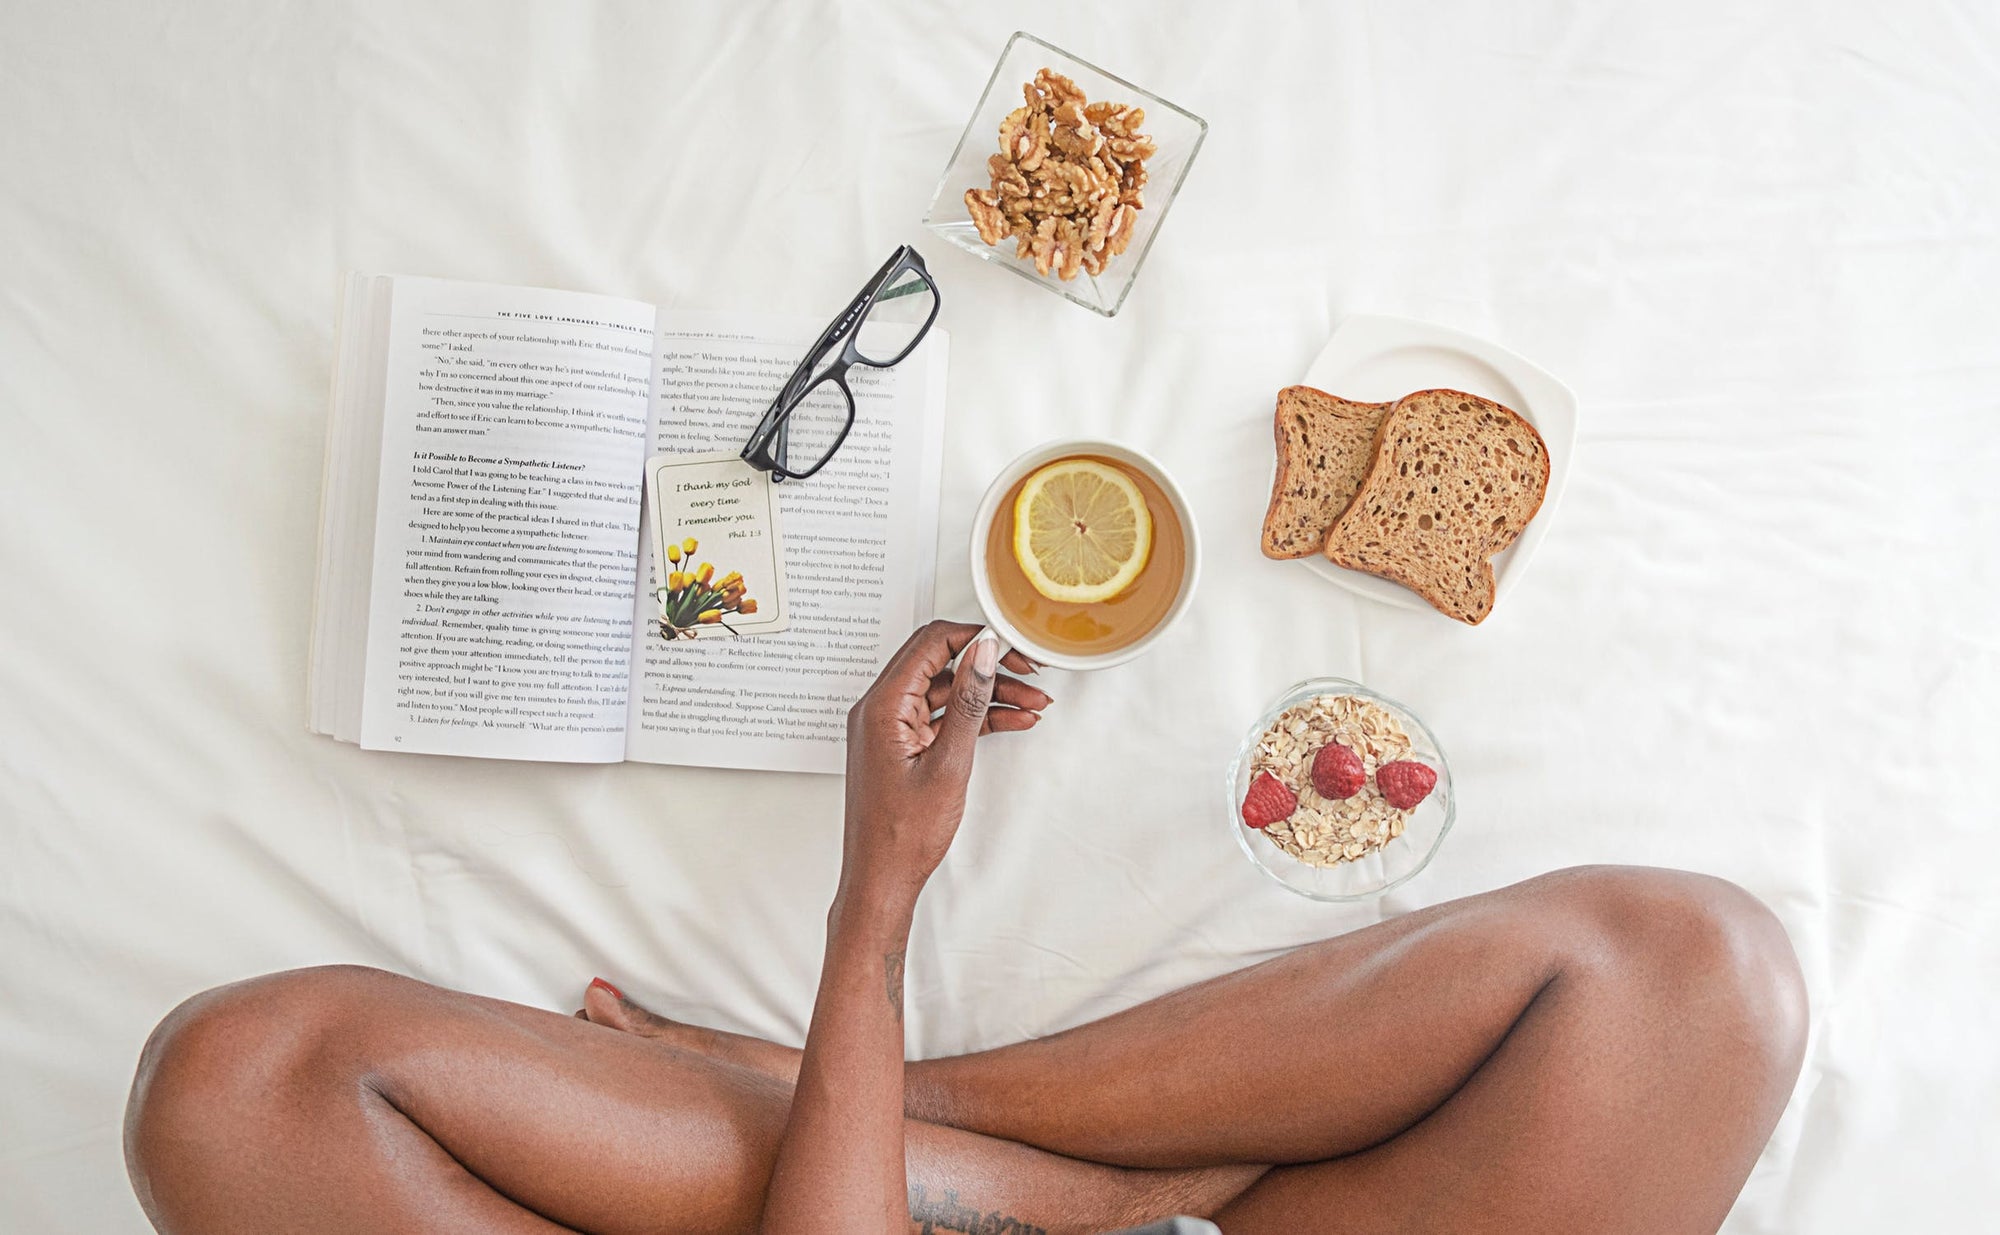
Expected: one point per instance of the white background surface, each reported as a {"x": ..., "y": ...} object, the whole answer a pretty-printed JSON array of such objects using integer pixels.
[{"x": 1760, "y": 241}]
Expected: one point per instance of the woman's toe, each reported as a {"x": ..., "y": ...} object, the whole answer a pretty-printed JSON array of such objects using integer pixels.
[{"x": 604, "y": 1004}]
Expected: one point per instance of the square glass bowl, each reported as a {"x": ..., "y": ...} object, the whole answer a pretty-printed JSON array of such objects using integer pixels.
[
  {"x": 1373, "y": 873},
  {"x": 1176, "y": 132}
]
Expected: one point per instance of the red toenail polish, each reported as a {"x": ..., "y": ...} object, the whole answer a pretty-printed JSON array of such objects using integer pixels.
[{"x": 615, "y": 992}]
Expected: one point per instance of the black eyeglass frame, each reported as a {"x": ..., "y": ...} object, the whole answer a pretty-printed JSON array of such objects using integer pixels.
[{"x": 770, "y": 441}]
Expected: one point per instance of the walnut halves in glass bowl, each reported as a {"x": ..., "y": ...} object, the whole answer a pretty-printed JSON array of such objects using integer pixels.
[{"x": 1064, "y": 174}]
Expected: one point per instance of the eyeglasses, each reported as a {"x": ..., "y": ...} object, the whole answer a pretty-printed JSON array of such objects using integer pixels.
[{"x": 814, "y": 410}]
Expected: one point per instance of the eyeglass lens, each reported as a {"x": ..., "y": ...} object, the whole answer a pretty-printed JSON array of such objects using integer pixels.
[{"x": 899, "y": 312}]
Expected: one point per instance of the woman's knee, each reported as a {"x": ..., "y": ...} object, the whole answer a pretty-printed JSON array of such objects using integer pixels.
[
  {"x": 216, "y": 1061},
  {"x": 1696, "y": 937}
]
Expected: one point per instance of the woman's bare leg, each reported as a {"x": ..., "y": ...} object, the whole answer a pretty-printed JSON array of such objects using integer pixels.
[
  {"x": 353, "y": 1101},
  {"x": 1596, "y": 1050}
]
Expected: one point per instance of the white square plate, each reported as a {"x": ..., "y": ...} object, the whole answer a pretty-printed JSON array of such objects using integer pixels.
[{"x": 1376, "y": 359}]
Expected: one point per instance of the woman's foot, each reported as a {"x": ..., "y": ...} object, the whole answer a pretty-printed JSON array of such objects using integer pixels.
[{"x": 606, "y": 1005}]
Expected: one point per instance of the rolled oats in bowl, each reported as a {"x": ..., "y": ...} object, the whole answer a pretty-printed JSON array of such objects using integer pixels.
[
  {"x": 1327, "y": 831},
  {"x": 1338, "y": 792}
]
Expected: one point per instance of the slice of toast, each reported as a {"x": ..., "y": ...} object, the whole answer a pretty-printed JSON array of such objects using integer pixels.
[
  {"x": 1454, "y": 479},
  {"x": 1325, "y": 444}
]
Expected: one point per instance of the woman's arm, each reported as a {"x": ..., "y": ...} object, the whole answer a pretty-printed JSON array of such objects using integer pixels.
[
  {"x": 840, "y": 1160},
  {"x": 840, "y": 1163}
]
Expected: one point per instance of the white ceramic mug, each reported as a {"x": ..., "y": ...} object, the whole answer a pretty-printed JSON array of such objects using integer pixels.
[{"x": 989, "y": 510}]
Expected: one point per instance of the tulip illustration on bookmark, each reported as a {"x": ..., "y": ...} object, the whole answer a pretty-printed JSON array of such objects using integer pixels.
[{"x": 718, "y": 558}]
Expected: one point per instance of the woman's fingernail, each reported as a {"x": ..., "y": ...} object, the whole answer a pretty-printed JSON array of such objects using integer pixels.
[
  {"x": 615, "y": 992},
  {"x": 985, "y": 656}
]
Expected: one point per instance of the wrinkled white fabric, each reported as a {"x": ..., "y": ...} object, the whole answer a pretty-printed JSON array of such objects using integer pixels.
[{"x": 1760, "y": 240}]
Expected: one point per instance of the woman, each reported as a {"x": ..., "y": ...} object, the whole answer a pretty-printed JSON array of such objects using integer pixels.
[{"x": 1594, "y": 1050}]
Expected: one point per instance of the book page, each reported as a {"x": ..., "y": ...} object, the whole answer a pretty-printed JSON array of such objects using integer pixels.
[
  {"x": 513, "y": 434},
  {"x": 860, "y": 552}
]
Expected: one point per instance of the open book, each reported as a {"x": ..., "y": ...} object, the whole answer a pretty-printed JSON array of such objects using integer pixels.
[{"x": 485, "y": 587}]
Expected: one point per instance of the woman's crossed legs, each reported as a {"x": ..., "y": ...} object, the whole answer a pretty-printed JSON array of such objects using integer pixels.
[{"x": 1596, "y": 1050}]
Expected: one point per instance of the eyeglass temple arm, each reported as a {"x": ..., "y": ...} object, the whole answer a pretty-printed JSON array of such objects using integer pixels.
[
  {"x": 848, "y": 316},
  {"x": 778, "y": 438}
]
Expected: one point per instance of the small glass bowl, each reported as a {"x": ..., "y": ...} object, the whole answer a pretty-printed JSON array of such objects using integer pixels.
[
  {"x": 1176, "y": 131},
  {"x": 1374, "y": 873}
]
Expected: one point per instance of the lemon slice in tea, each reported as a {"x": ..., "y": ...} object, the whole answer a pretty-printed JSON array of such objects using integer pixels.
[{"x": 1081, "y": 531}]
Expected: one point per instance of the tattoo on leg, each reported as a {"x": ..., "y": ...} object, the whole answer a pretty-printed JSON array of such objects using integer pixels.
[
  {"x": 892, "y": 970},
  {"x": 948, "y": 1215}
]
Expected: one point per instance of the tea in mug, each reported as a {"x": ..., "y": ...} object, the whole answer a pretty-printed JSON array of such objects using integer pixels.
[{"x": 1070, "y": 558}]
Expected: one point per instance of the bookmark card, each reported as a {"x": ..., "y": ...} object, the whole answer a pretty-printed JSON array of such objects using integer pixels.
[{"x": 718, "y": 558}]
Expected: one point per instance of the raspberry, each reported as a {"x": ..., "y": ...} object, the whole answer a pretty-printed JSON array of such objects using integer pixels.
[
  {"x": 1268, "y": 801},
  {"x": 1337, "y": 772},
  {"x": 1405, "y": 783}
]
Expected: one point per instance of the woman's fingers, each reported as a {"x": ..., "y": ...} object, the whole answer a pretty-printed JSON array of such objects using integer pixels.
[
  {"x": 928, "y": 650},
  {"x": 1008, "y": 692},
  {"x": 1013, "y": 693},
  {"x": 964, "y": 718},
  {"x": 1009, "y": 720},
  {"x": 932, "y": 647}
]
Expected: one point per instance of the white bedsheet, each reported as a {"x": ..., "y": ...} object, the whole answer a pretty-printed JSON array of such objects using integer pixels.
[{"x": 1761, "y": 241}]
